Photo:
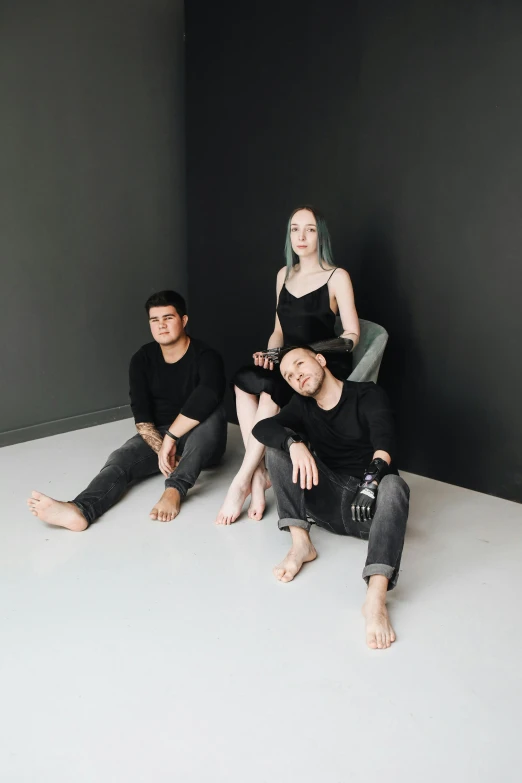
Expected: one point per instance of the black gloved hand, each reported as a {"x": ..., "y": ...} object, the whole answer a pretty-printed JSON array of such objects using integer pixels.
[
  {"x": 336, "y": 345},
  {"x": 272, "y": 354},
  {"x": 363, "y": 503},
  {"x": 333, "y": 346}
]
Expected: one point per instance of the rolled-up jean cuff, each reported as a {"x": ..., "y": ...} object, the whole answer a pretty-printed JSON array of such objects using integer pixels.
[
  {"x": 379, "y": 569},
  {"x": 171, "y": 483},
  {"x": 89, "y": 516},
  {"x": 284, "y": 524}
]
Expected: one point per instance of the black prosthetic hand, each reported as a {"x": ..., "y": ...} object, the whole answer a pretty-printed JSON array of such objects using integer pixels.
[
  {"x": 363, "y": 503},
  {"x": 364, "y": 500},
  {"x": 335, "y": 345},
  {"x": 375, "y": 471},
  {"x": 272, "y": 354}
]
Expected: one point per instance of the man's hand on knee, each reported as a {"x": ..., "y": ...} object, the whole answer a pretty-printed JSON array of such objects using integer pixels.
[
  {"x": 363, "y": 503},
  {"x": 167, "y": 456},
  {"x": 304, "y": 466}
]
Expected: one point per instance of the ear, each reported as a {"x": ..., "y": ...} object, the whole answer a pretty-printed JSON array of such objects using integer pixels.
[
  {"x": 184, "y": 320},
  {"x": 320, "y": 359}
]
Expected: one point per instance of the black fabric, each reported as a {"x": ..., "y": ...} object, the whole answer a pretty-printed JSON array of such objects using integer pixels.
[
  {"x": 328, "y": 504},
  {"x": 345, "y": 437},
  {"x": 193, "y": 386},
  {"x": 254, "y": 380},
  {"x": 304, "y": 319},
  {"x": 308, "y": 318},
  {"x": 363, "y": 503}
]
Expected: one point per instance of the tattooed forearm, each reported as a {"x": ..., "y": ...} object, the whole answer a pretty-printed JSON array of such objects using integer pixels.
[{"x": 150, "y": 435}]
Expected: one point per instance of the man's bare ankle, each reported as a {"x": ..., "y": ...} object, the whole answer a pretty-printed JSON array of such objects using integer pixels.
[
  {"x": 300, "y": 537},
  {"x": 377, "y": 588}
]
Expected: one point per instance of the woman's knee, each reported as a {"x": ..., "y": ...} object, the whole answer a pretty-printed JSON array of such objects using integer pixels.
[
  {"x": 242, "y": 394},
  {"x": 245, "y": 381}
]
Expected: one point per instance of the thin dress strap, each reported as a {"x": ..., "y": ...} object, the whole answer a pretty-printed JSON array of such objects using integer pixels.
[{"x": 333, "y": 273}]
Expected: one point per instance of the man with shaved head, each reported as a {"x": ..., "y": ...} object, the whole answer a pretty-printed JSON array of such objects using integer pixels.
[{"x": 329, "y": 455}]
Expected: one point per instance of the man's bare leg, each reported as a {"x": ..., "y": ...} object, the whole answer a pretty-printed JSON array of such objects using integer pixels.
[
  {"x": 302, "y": 551},
  {"x": 56, "y": 512},
  {"x": 242, "y": 484},
  {"x": 379, "y": 632},
  {"x": 168, "y": 506}
]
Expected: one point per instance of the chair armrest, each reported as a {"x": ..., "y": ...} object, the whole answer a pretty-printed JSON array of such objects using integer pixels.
[{"x": 368, "y": 368}]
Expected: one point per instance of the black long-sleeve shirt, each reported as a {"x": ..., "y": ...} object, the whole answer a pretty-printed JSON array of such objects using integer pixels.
[
  {"x": 159, "y": 391},
  {"x": 344, "y": 437}
]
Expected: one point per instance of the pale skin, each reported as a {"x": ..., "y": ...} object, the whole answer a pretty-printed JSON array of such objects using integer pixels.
[
  {"x": 252, "y": 478},
  {"x": 309, "y": 376},
  {"x": 168, "y": 329}
]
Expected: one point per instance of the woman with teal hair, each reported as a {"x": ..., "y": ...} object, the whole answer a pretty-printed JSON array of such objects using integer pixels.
[{"x": 311, "y": 292}]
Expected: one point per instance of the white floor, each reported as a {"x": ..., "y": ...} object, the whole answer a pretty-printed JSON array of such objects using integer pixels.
[{"x": 140, "y": 651}]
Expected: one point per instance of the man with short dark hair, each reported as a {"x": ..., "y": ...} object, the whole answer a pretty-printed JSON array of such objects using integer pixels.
[
  {"x": 177, "y": 385},
  {"x": 329, "y": 454}
]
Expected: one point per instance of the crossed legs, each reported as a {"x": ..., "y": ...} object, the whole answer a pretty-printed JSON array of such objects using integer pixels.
[{"x": 252, "y": 478}]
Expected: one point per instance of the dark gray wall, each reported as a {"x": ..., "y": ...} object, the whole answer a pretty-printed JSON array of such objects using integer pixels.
[
  {"x": 92, "y": 188},
  {"x": 403, "y": 122}
]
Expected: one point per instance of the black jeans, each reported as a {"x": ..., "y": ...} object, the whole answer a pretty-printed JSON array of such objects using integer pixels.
[
  {"x": 200, "y": 448},
  {"x": 329, "y": 506}
]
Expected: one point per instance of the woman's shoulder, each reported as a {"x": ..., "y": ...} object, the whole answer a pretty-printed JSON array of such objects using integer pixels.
[
  {"x": 341, "y": 276},
  {"x": 340, "y": 273}
]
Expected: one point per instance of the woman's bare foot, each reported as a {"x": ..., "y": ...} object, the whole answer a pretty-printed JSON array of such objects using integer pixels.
[
  {"x": 260, "y": 483},
  {"x": 302, "y": 551},
  {"x": 167, "y": 507},
  {"x": 379, "y": 632},
  {"x": 237, "y": 493},
  {"x": 56, "y": 512}
]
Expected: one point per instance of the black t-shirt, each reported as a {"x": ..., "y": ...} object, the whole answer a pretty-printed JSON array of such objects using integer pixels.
[
  {"x": 344, "y": 437},
  {"x": 193, "y": 386}
]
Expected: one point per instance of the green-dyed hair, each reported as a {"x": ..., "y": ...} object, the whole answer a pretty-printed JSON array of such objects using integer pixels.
[{"x": 324, "y": 244}]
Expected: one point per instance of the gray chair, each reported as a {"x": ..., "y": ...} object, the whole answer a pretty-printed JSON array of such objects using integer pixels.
[{"x": 367, "y": 356}]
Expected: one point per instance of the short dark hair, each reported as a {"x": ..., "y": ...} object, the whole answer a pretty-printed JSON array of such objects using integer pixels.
[
  {"x": 166, "y": 299},
  {"x": 289, "y": 348}
]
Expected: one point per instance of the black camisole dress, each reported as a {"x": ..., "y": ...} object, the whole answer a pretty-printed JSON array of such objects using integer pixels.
[{"x": 304, "y": 320}]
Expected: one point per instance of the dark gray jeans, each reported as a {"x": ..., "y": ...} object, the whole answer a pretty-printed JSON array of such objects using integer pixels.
[
  {"x": 200, "y": 448},
  {"x": 329, "y": 506}
]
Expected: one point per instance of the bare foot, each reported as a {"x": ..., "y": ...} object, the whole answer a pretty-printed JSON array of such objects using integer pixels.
[
  {"x": 56, "y": 512},
  {"x": 167, "y": 507},
  {"x": 235, "y": 498},
  {"x": 302, "y": 551},
  {"x": 379, "y": 632},
  {"x": 260, "y": 483}
]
